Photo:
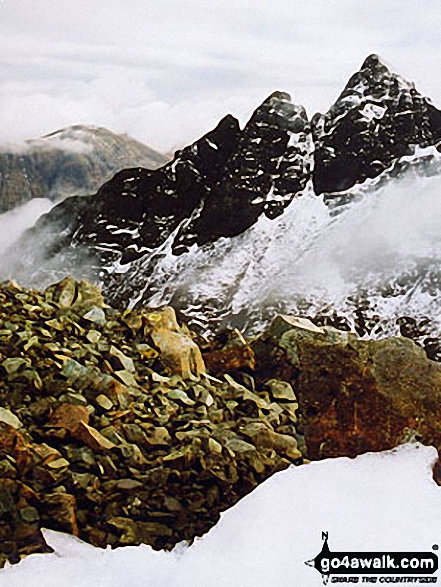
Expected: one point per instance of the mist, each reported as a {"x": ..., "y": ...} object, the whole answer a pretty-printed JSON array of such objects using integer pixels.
[
  {"x": 313, "y": 257},
  {"x": 60, "y": 143},
  {"x": 14, "y": 223}
]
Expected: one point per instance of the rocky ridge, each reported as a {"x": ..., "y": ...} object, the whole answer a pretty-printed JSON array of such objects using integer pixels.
[
  {"x": 378, "y": 118},
  {"x": 74, "y": 160},
  {"x": 222, "y": 184}
]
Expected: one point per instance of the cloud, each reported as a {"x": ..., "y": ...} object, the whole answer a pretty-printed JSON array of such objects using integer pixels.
[
  {"x": 166, "y": 71},
  {"x": 15, "y": 222}
]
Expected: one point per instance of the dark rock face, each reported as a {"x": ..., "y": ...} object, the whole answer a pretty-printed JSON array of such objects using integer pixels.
[
  {"x": 378, "y": 118},
  {"x": 219, "y": 186},
  {"x": 75, "y": 160},
  {"x": 268, "y": 168},
  {"x": 138, "y": 209}
]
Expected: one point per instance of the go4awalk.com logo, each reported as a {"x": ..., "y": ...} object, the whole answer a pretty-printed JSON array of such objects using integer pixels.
[{"x": 364, "y": 567}]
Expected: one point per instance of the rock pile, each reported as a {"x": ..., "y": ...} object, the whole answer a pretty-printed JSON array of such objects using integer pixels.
[
  {"x": 111, "y": 429},
  {"x": 126, "y": 428}
]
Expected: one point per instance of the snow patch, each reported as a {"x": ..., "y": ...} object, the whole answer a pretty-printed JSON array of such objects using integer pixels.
[
  {"x": 310, "y": 257},
  {"x": 372, "y": 111}
]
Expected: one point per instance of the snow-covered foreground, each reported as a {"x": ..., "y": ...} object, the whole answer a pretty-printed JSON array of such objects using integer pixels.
[{"x": 385, "y": 501}]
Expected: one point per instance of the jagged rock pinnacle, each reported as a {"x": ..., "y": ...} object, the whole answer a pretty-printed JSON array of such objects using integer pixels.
[
  {"x": 372, "y": 61},
  {"x": 378, "y": 118},
  {"x": 220, "y": 186},
  {"x": 217, "y": 187}
]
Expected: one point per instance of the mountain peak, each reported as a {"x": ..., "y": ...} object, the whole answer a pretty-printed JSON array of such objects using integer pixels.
[
  {"x": 373, "y": 81},
  {"x": 372, "y": 61},
  {"x": 220, "y": 185},
  {"x": 378, "y": 118},
  {"x": 72, "y": 160},
  {"x": 76, "y": 128}
]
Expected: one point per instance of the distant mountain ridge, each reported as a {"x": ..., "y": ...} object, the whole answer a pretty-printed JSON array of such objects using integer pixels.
[
  {"x": 73, "y": 160},
  {"x": 223, "y": 183}
]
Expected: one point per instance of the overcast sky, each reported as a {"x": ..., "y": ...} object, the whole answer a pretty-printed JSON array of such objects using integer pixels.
[{"x": 165, "y": 71}]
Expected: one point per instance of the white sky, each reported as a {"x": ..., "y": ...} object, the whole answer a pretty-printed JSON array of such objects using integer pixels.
[{"x": 165, "y": 71}]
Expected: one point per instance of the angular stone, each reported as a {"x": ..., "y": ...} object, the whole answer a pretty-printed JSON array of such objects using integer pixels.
[
  {"x": 69, "y": 417},
  {"x": 134, "y": 433},
  {"x": 281, "y": 390},
  {"x": 133, "y": 454},
  {"x": 263, "y": 436},
  {"x": 58, "y": 464},
  {"x": 128, "y": 484},
  {"x": 239, "y": 447},
  {"x": 111, "y": 433},
  {"x": 14, "y": 444},
  {"x": 126, "y": 377},
  {"x": 104, "y": 402},
  {"x": 93, "y": 336},
  {"x": 7, "y": 468},
  {"x": 92, "y": 437},
  {"x": 180, "y": 396},
  {"x": 58, "y": 512},
  {"x": 76, "y": 399},
  {"x": 126, "y": 362},
  {"x": 234, "y": 356},
  {"x": 158, "y": 436},
  {"x": 9, "y": 418},
  {"x": 96, "y": 315},
  {"x": 178, "y": 351},
  {"x": 13, "y": 364}
]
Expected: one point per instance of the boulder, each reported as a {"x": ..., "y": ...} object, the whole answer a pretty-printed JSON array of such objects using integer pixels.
[
  {"x": 178, "y": 350},
  {"x": 354, "y": 395},
  {"x": 228, "y": 352}
]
